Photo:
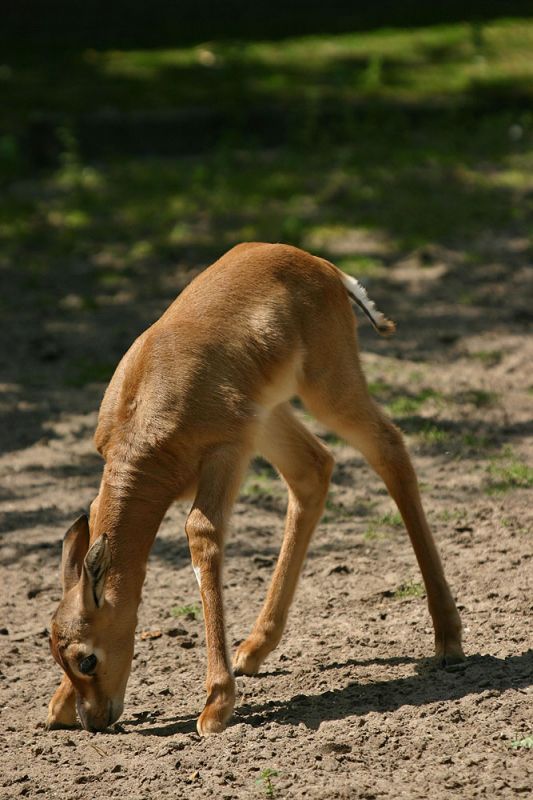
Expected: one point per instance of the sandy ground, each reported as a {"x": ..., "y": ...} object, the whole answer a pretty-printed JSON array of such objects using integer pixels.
[{"x": 350, "y": 705}]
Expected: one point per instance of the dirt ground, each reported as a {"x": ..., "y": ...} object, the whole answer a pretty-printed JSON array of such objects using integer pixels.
[{"x": 350, "y": 705}]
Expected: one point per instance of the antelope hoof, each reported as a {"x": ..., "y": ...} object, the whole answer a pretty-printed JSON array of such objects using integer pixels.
[
  {"x": 449, "y": 652},
  {"x": 217, "y": 711},
  {"x": 451, "y": 659},
  {"x": 213, "y": 719},
  {"x": 210, "y": 722},
  {"x": 246, "y": 660}
]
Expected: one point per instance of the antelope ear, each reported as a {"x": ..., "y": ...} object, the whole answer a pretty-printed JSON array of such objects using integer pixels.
[
  {"x": 75, "y": 546},
  {"x": 95, "y": 567}
]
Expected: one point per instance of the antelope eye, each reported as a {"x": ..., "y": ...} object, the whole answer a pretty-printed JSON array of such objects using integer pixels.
[{"x": 88, "y": 664}]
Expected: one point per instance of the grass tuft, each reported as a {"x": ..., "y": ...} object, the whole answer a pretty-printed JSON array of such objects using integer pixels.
[
  {"x": 522, "y": 744},
  {"x": 489, "y": 358},
  {"x": 377, "y": 527},
  {"x": 410, "y": 404},
  {"x": 410, "y": 589},
  {"x": 430, "y": 433},
  {"x": 508, "y": 472},
  {"x": 477, "y": 397},
  {"x": 265, "y": 781},
  {"x": 192, "y": 611}
]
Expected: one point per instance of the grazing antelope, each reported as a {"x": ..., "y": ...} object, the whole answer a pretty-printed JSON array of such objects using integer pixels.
[{"x": 195, "y": 396}]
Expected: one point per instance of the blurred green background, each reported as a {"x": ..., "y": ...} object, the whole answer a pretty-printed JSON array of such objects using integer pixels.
[{"x": 134, "y": 149}]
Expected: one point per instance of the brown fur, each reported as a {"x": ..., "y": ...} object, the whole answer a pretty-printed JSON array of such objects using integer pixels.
[{"x": 195, "y": 396}]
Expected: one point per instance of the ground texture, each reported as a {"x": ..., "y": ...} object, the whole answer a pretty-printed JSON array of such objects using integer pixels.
[{"x": 350, "y": 705}]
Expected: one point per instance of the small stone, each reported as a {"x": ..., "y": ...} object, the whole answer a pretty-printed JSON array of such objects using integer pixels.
[
  {"x": 340, "y": 569},
  {"x": 177, "y": 745},
  {"x": 336, "y": 747},
  {"x": 176, "y": 632},
  {"x": 150, "y": 635},
  {"x": 261, "y": 561},
  {"x": 85, "y": 778}
]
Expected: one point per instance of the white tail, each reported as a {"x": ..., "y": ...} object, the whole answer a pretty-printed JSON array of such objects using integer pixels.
[{"x": 359, "y": 295}]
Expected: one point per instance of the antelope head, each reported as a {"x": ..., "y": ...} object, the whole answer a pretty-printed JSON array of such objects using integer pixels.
[{"x": 90, "y": 640}]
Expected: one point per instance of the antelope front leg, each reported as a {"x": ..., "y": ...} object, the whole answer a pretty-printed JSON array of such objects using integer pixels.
[
  {"x": 62, "y": 707},
  {"x": 306, "y": 466},
  {"x": 205, "y": 526}
]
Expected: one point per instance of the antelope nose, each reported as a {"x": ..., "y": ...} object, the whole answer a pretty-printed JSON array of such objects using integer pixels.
[{"x": 94, "y": 723}]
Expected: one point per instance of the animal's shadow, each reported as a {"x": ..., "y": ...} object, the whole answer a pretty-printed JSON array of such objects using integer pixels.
[{"x": 431, "y": 684}]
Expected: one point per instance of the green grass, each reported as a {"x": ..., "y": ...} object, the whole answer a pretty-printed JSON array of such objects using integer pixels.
[
  {"x": 379, "y": 388},
  {"x": 476, "y": 442},
  {"x": 130, "y": 221},
  {"x": 451, "y": 515},
  {"x": 358, "y": 265},
  {"x": 405, "y": 404},
  {"x": 409, "y": 589},
  {"x": 336, "y": 511},
  {"x": 265, "y": 781},
  {"x": 432, "y": 433},
  {"x": 402, "y": 163},
  {"x": 489, "y": 358},
  {"x": 380, "y": 527},
  {"x": 392, "y": 518},
  {"x": 508, "y": 472},
  {"x": 191, "y": 611},
  {"x": 333, "y": 511},
  {"x": 522, "y": 744},
  {"x": 480, "y": 398},
  {"x": 258, "y": 486},
  {"x": 445, "y": 63},
  {"x": 400, "y": 401},
  {"x": 517, "y": 525},
  {"x": 262, "y": 481}
]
